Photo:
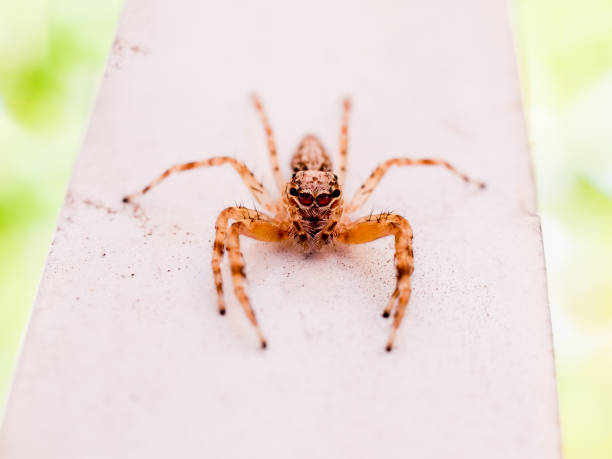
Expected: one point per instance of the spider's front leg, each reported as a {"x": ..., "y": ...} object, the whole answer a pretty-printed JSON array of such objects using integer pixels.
[
  {"x": 237, "y": 213},
  {"x": 262, "y": 230},
  {"x": 373, "y": 227}
]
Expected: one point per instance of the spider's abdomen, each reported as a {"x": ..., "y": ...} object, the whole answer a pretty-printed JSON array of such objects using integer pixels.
[{"x": 310, "y": 156}]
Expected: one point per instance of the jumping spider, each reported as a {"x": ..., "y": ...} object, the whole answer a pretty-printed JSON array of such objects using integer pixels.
[{"x": 311, "y": 213}]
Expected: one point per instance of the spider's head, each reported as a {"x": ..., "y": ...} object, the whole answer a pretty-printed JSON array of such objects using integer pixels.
[
  {"x": 313, "y": 198},
  {"x": 313, "y": 191}
]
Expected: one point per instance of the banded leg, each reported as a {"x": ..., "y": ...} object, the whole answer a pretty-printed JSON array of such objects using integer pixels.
[
  {"x": 233, "y": 213},
  {"x": 257, "y": 189},
  {"x": 373, "y": 227},
  {"x": 344, "y": 141},
  {"x": 375, "y": 177},
  {"x": 256, "y": 229},
  {"x": 278, "y": 176}
]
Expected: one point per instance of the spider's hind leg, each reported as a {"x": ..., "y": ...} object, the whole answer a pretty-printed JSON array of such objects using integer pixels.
[
  {"x": 278, "y": 176},
  {"x": 344, "y": 140}
]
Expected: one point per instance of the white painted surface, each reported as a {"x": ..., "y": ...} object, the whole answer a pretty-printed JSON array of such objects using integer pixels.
[{"x": 126, "y": 355}]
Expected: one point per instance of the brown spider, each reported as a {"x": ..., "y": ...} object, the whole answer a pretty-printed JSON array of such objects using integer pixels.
[{"x": 311, "y": 213}]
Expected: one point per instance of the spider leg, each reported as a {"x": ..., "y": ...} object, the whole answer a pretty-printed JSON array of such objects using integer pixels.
[
  {"x": 261, "y": 230},
  {"x": 257, "y": 189},
  {"x": 391, "y": 302},
  {"x": 344, "y": 140},
  {"x": 234, "y": 213},
  {"x": 278, "y": 176},
  {"x": 376, "y": 176},
  {"x": 373, "y": 227}
]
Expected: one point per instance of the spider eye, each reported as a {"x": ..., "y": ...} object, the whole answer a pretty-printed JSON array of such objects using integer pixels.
[
  {"x": 293, "y": 191},
  {"x": 323, "y": 199},
  {"x": 305, "y": 199},
  {"x": 335, "y": 193}
]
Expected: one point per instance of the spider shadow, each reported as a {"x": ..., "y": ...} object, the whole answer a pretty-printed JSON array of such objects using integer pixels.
[{"x": 367, "y": 268}]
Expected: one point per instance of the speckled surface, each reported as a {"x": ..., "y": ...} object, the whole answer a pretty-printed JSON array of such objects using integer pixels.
[{"x": 126, "y": 355}]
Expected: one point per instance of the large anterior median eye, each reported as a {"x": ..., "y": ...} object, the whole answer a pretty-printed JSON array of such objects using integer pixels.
[
  {"x": 305, "y": 199},
  {"x": 323, "y": 199}
]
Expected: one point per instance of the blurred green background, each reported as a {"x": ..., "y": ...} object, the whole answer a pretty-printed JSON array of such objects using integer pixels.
[{"x": 52, "y": 55}]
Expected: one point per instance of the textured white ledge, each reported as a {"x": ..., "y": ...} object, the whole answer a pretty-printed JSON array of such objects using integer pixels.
[{"x": 126, "y": 356}]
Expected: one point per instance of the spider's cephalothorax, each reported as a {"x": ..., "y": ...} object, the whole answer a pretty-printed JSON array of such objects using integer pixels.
[
  {"x": 311, "y": 212},
  {"x": 313, "y": 200}
]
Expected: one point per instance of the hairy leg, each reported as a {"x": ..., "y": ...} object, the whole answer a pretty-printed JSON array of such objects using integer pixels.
[
  {"x": 257, "y": 229},
  {"x": 233, "y": 213},
  {"x": 373, "y": 227},
  {"x": 344, "y": 141},
  {"x": 278, "y": 176},
  {"x": 257, "y": 189},
  {"x": 376, "y": 176}
]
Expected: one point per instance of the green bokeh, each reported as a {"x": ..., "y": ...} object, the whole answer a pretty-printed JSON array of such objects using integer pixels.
[
  {"x": 566, "y": 58},
  {"x": 52, "y": 55}
]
